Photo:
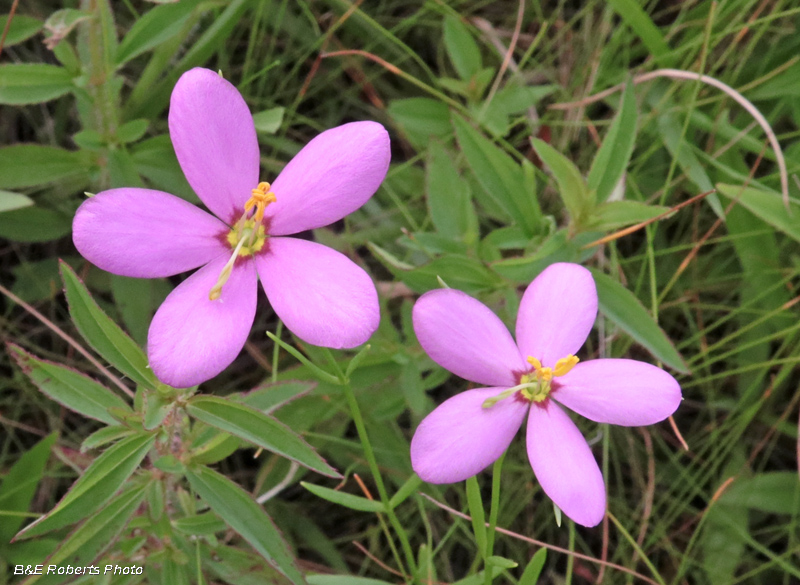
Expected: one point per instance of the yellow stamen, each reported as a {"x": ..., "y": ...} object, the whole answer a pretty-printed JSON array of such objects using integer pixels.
[
  {"x": 260, "y": 197},
  {"x": 564, "y": 365}
]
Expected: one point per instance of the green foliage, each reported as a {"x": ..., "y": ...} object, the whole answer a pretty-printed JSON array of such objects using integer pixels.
[{"x": 468, "y": 202}]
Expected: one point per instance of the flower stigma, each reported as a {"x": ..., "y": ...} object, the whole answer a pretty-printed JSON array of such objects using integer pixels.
[
  {"x": 535, "y": 386},
  {"x": 249, "y": 235}
]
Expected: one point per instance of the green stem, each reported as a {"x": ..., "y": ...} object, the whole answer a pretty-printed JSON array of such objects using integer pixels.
[
  {"x": 355, "y": 411},
  {"x": 276, "y": 350},
  {"x": 494, "y": 510},
  {"x": 570, "y": 558}
]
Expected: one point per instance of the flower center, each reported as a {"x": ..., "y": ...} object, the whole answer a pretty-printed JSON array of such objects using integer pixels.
[
  {"x": 535, "y": 386},
  {"x": 248, "y": 236}
]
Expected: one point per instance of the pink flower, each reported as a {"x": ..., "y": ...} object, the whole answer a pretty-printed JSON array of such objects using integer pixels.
[
  {"x": 321, "y": 295},
  {"x": 534, "y": 375}
]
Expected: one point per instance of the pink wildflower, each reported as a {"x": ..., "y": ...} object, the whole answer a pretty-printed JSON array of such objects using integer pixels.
[
  {"x": 321, "y": 295},
  {"x": 532, "y": 376}
]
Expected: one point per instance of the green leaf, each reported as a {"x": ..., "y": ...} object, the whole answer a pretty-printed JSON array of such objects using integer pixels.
[
  {"x": 22, "y": 84},
  {"x": 776, "y": 492},
  {"x": 257, "y": 428},
  {"x": 31, "y": 165},
  {"x": 405, "y": 490},
  {"x": 458, "y": 271},
  {"x": 615, "y": 153},
  {"x": 623, "y": 308},
  {"x": 269, "y": 121},
  {"x": 534, "y": 568},
  {"x": 201, "y": 524},
  {"x": 767, "y": 205},
  {"x": 156, "y": 161},
  {"x": 502, "y": 178},
  {"x": 153, "y": 28},
  {"x": 617, "y": 214},
  {"x": 72, "y": 389},
  {"x": 157, "y": 407},
  {"x": 571, "y": 187},
  {"x": 239, "y": 511},
  {"x": 344, "y": 580},
  {"x": 449, "y": 199},
  {"x": 462, "y": 49},
  {"x": 95, "y": 487},
  {"x": 104, "y": 436},
  {"x": 61, "y": 22},
  {"x": 22, "y": 28},
  {"x": 421, "y": 118},
  {"x": 270, "y": 397},
  {"x": 132, "y": 131},
  {"x": 103, "y": 334},
  {"x": 475, "y": 504},
  {"x": 33, "y": 224},
  {"x": 343, "y": 499},
  {"x": 19, "y": 485},
  {"x": 634, "y": 16},
  {"x": 10, "y": 201},
  {"x": 95, "y": 535}
]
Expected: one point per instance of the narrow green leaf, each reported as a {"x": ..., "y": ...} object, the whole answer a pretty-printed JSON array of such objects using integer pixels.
[
  {"x": 104, "y": 436},
  {"x": 102, "y": 333},
  {"x": 343, "y": 499},
  {"x": 95, "y": 487},
  {"x": 72, "y": 389},
  {"x": 768, "y": 206},
  {"x": 776, "y": 492},
  {"x": 534, "y": 568},
  {"x": 132, "y": 131},
  {"x": 499, "y": 175},
  {"x": 19, "y": 485},
  {"x": 208, "y": 523},
  {"x": 22, "y": 28},
  {"x": 458, "y": 271},
  {"x": 270, "y": 397},
  {"x": 571, "y": 187},
  {"x": 95, "y": 535},
  {"x": 615, "y": 153},
  {"x": 405, "y": 490},
  {"x": 634, "y": 16},
  {"x": 623, "y": 308},
  {"x": 269, "y": 121},
  {"x": 31, "y": 165},
  {"x": 421, "y": 118},
  {"x": 449, "y": 200},
  {"x": 33, "y": 83},
  {"x": 475, "y": 504},
  {"x": 10, "y": 201},
  {"x": 156, "y": 409},
  {"x": 157, "y": 25},
  {"x": 344, "y": 580},
  {"x": 239, "y": 511},
  {"x": 617, "y": 214},
  {"x": 33, "y": 224},
  {"x": 462, "y": 49},
  {"x": 258, "y": 428}
]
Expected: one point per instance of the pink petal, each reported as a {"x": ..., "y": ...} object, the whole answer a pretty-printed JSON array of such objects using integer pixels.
[
  {"x": 191, "y": 338},
  {"x": 460, "y": 437},
  {"x": 322, "y": 296},
  {"x": 332, "y": 176},
  {"x": 564, "y": 464},
  {"x": 556, "y": 313},
  {"x": 214, "y": 138},
  {"x": 145, "y": 233},
  {"x": 619, "y": 392},
  {"x": 462, "y": 335}
]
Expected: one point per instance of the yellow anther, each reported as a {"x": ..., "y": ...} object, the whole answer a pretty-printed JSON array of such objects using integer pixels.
[
  {"x": 564, "y": 365},
  {"x": 541, "y": 373},
  {"x": 260, "y": 197}
]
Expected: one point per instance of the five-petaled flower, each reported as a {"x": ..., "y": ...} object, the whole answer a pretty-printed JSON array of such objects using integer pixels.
[
  {"x": 534, "y": 375},
  {"x": 321, "y": 295}
]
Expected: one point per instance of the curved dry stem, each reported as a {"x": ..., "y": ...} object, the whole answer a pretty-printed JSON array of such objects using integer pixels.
[
  {"x": 692, "y": 76},
  {"x": 60, "y": 332}
]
